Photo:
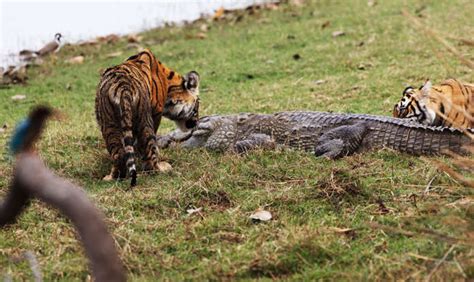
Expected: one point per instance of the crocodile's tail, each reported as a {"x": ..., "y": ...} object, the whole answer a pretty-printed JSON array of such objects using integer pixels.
[{"x": 422, "y": 140}]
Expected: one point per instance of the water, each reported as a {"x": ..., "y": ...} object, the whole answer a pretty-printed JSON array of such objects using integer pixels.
[{"x": 29, "y": 25}]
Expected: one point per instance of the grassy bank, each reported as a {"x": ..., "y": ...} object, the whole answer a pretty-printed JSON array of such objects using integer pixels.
[{"x": 363, "y": 217}]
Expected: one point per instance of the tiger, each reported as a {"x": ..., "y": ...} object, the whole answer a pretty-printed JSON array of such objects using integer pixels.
[
  {"x": 130, "y": 100},
  {"x": 449, "y": 104}
]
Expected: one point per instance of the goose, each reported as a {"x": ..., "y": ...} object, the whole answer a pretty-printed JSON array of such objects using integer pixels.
[{"x": 51, "y": 47}]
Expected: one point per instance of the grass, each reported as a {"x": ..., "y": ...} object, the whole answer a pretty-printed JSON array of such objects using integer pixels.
[{"x": 327, "y": 214}]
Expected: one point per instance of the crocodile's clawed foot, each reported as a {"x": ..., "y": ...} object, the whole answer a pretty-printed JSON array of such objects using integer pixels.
[
  {"x": 253, "y": 142},
  {"x": 340, "y": 141},
  {"x": 331, "y": 149}
]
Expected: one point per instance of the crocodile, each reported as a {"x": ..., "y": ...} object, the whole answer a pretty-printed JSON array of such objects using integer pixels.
[{"x": 331, "y": 135}]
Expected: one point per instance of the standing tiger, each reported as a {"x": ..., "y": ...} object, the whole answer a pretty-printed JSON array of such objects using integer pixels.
[
  {"x": 130, "y": 100},
  {"x": 449, "y": 104}
]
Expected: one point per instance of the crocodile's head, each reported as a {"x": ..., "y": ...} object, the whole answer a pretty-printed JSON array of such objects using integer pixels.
[{"x": 218, "y": 132}]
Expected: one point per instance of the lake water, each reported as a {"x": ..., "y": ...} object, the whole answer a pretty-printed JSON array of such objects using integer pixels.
[{"x": 29, "y": 25}]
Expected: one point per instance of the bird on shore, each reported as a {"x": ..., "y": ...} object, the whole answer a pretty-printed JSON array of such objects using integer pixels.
[
  {"x": 51, "y": 47},
  {"x": 27, "y": 55}
]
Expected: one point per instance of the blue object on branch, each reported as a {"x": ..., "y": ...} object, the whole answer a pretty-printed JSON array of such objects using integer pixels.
[{"x": 19, "y": 136}]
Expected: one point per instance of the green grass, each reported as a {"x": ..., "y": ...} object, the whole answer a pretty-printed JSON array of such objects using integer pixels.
[{"x": 248, "y": 66}]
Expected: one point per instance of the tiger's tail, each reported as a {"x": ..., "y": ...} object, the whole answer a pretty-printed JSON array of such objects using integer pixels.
[{"x": 127, "y": 131}]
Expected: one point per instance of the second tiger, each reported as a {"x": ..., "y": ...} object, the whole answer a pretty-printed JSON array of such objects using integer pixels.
[{"x": 131, "y": 99}]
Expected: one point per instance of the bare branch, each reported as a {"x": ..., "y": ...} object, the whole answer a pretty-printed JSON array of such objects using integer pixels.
[{"x": 33, "y": 179}]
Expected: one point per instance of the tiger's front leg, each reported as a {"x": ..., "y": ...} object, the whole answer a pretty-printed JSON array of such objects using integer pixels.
[{"x": 148, "y": 146}]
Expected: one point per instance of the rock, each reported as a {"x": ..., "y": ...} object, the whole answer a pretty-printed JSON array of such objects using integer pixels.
[
  {"x": 190, "y": 211},
  {"x": 91, "y": 42},
  {"x": 136, "y": 46},
  {"x": 15, "y": 74},
  {"x": 164, "y": 167},
  {"x": 109, "y": 39},
  {"x": 134, "y": 38},
  {"x": 114, "y": 54},
  {"x": 18, "y": 97},
  {"x": 297, "y": 3},
  {"x": 76, "y": 60},
  {"x": 201, "y": 35},
  {"x": 204, "y": 27},
  {"x": 261, "y": 215},
  {"x": 338, "y": 33}
]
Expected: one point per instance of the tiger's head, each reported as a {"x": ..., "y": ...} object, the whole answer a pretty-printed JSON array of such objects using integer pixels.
[
  {"x": 182, "y": 101},
  {"x": 413, "y": 104},
  {"x": 175, "y": 96}
]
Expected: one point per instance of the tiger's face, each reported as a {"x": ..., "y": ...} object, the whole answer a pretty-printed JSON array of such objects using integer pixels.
[
  {"x": 404, "y": 109},
  {"x": 413, "y": 104},
  {"x": 182, "y": 102}
]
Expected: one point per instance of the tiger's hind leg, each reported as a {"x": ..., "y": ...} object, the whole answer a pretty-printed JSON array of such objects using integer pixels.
[
  {"x": 113, "y": 141},
  {"x": 148, "y": 146}
]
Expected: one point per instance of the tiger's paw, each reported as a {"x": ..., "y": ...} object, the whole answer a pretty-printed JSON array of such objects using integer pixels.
[
  {"x": 108, "y": 177},
  {"x": 164, "y": 167}
]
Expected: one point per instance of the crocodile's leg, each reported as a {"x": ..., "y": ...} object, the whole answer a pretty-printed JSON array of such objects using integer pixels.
[
  {"x": 254, "y": 141},
  {"x": 340, "y": 141}
]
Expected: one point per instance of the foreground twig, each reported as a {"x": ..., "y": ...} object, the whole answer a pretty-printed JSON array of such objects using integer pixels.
[
  {"x": 33, "y": 180},
  {"x": 438, "y": 264},
  {"x": 421, "y": 231},
  {"x": 35, "y": 268}
]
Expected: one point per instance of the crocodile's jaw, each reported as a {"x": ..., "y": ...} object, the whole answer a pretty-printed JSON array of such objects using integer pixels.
[
  {"x": 194, "y": 142},
  {"x": 212, "y": 132}
]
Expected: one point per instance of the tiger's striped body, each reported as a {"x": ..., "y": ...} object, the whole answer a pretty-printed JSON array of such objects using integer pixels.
[
  {"x": 449, "y": 104},
  {"x": 131, "y": 99}
]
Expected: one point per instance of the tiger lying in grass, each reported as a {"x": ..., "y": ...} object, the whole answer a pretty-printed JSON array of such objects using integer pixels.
[
  {"x": 130, "y": 100},
  {"x": 449, "y": 104}
]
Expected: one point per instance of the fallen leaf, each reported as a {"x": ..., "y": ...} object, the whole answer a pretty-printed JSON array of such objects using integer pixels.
[
  {"x": 345, "y": 231},
  {"x": 341, "y": 230},
  {"x": 371, "y": 3},
  {"x": 114, "y": 54},
  {"x": 3, "y": 128},
  {"x": 76, "y": 60},
  {"x": 190, "y": 211},
  {"x": 382, "y": 208},
  {"x": 18, "y": 97},
  {"x": 338, "y": 33},
  {"x": 261, "y": 215},
  {"x": 319, "y": 81},
  {"x": 325, "y": 24}
]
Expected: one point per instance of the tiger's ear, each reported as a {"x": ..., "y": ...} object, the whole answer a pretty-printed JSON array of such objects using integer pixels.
[
  {"x": 426, "y": 88},
  {"x": 191, "y": 80}
]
